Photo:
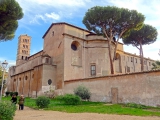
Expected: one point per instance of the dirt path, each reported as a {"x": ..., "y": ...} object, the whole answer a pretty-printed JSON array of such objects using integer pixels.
[{"x": 30, "y": 114}]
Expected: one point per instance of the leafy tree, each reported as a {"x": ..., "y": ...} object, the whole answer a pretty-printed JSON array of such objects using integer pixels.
[
  {"x": 156, "y": 65},
  {"x": 1, "y": 75},
  {"x": 112, "y": 22},
  {"x": 10, "y": 12},
  {"x": 146, "y": 35}
]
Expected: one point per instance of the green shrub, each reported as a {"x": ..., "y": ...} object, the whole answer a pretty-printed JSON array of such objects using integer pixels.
[
  {"x": 82, "y": 92},
  {"x": 16, "y": 93},
  {"x": 69, "y": 99},
  {"x": 11, "y": 93},
  {"x": 134, "y": 105},
  {"x": 7, "y": 93},
  {"x": 42, "y": 102},
  {"x": 7, "y": 110}
]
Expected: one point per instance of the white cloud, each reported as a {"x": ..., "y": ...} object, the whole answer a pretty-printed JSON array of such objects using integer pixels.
[
  {"x": 36, "y": 19},
  {"x": 38, "y": 11},
  {"x": 53, "y": 15},
  {"x": 49, "y": 10}
]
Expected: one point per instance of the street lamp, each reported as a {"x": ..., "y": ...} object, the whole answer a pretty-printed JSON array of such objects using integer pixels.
[{"x": 4, "y": 65}]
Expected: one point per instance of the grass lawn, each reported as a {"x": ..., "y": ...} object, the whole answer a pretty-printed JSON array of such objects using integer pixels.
[{"x": 94, "y": 107}]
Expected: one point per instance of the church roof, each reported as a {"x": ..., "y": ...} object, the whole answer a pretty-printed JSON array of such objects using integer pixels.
[{"x": 65, "y": 24}]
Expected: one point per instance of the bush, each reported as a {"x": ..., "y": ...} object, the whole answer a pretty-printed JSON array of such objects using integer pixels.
[
  {"x": 82, "y": 92},
  {"x": 69, "y": 99},
  {"x": 134, "y": 105},
  {"x": 16, "y": 93},
  {"x": 7, "y": 93},
  {"x": 11, "y": 93},
  {"x": 42, "y": 102},
  {"x": 7, "y": 110}
]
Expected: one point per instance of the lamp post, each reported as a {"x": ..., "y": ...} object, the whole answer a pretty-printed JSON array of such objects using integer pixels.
[{"x": 4, "y": 65}]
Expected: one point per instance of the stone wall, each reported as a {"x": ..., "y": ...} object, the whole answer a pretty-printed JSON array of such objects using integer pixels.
[{"x": 140, "y": 88}]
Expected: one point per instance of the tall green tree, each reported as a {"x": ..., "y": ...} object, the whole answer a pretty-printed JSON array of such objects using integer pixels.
[
  {"x": 156, "y": 65},
  {"x": 10, "y": 13},
  {"x": 112, "y": 22},
  {"x": 1, "y": 75},
  {"x": 146, "y": 35}
]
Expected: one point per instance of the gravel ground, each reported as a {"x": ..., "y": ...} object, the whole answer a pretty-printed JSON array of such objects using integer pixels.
[{"x": 30, "y": 114}]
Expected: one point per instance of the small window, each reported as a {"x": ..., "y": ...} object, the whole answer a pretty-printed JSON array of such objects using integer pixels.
[
  {"x": 149, "y": 63},
  {"x": 93, "y": 70},
  {"x": 26, "y": 78},
  {"x": 128, "y": 69},
  {"x": 136, "y": 60},
  {"x": 53, "y": 33},
  {"x": 49, "y": 82},
  {"x": 131, "y": 59},
  {"x": 47, "y": 60}
]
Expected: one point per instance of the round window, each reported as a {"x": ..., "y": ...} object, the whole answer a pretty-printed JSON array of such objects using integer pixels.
[
  {"x": 74, "y": 47},
  {"x": 49, "y": 82}
]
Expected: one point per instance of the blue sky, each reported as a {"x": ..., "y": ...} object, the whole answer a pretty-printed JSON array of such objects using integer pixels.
[{"x": 39, "y": 14}]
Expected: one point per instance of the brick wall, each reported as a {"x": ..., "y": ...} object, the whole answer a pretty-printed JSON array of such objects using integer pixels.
[{"x": 140, "y": 88}]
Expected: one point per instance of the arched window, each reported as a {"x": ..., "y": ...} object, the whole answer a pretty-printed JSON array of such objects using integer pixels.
[
  {"x": 26, "y": 77},
  {"x": 33, "y": 76}
]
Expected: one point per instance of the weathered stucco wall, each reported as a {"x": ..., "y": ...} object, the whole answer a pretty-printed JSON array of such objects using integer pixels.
[
  {"x": 54, "y": 47},
  {"x": 49, "y": 72},
  {"x": 28, "y": 83},
  {"x": 141, "y": 88}
]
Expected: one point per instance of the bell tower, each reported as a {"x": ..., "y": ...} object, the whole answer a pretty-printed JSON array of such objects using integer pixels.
[{"x": 23, "y": 51}]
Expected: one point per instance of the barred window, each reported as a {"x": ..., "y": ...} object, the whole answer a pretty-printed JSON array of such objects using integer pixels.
[{"x": 93, "y": 70}]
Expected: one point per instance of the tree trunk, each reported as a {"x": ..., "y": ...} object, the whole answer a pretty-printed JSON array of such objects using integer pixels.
[
  {"x": 110, "y": 56},
  {"x": 109, "y": 50},
  {"x": 141, "y": 56}
]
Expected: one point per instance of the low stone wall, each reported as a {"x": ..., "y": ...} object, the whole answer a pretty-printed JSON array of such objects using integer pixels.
[{"x": 140, "y": 88}]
